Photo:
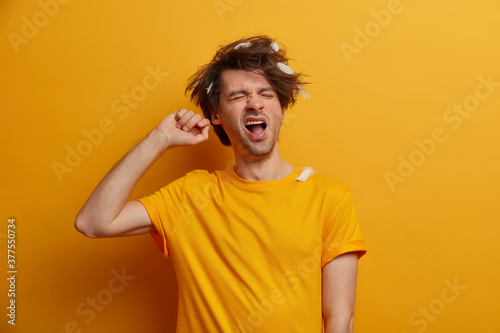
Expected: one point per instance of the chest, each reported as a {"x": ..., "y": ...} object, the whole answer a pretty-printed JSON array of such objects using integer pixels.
[{"x": 277, "y": 228}]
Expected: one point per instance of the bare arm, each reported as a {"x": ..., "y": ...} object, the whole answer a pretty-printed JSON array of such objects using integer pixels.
[
  {"x": 107, "y": 212},
  {"x": 339, "y": 293}
]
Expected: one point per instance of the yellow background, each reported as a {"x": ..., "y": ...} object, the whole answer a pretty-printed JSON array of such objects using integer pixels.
[{"x": 367, "y": 108}]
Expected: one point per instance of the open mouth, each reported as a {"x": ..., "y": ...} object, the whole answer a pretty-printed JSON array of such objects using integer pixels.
[{"x": 255, "y": 126}]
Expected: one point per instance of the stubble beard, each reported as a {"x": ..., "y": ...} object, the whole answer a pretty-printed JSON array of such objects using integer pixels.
[{"x": 250, "y": 149}]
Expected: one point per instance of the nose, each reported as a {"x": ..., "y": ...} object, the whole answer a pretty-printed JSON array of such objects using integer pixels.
[{"x": 255, "y": 103}]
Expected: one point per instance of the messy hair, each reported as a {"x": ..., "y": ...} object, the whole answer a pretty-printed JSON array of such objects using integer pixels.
[{"x": 248, "y": 54}]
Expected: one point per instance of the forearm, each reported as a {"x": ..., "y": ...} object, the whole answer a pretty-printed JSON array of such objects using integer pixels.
[
  {"x": 344, "y": 325},
  {"x": 339, "y": 293},
  {"x": 110, "y": 196}
]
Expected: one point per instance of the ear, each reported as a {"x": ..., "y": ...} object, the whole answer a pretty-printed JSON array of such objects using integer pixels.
[{"x": 215, "y": 118}]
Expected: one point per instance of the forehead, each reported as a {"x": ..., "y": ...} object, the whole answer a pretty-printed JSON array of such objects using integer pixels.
[{"x": 242, "y": 80}]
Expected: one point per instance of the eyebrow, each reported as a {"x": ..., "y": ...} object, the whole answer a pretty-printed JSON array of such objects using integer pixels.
[{"x": 245, "y": 92}]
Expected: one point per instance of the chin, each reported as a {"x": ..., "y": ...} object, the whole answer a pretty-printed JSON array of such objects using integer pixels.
[
  {"x": 256, "y": 148},
  {"x": 259, "y": 149}
]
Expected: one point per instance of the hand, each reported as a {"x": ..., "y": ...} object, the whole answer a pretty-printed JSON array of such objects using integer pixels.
[{"x": 184, "y": 128}]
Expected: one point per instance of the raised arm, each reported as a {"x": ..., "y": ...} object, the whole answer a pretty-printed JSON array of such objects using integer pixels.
[{"x": 107, "y": 212}]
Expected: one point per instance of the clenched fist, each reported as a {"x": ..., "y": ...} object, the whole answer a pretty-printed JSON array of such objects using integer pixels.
[{"x": 184, "y": 128}]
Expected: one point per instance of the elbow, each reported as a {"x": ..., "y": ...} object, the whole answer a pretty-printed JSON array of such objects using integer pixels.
[{"x": 83, "y": 226}]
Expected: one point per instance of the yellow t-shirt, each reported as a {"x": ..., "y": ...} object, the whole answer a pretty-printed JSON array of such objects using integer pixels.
[{"x": 249, "y": 254}]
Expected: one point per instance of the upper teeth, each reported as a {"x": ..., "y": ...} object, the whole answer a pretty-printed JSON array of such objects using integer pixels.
[{"x": 254, "y": 122}]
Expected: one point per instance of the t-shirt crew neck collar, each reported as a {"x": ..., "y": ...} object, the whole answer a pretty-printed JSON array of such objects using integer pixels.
[{"x": 257, "y": 184}]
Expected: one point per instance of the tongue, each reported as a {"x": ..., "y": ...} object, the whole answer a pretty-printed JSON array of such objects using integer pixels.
[{"x": 256, "y": 129}]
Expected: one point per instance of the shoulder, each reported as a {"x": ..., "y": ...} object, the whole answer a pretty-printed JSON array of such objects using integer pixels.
[
  {"x": 188, "y": 180},
  {"x": 204, "y": 175},
  {"x": 203, "y": 178},
  {"x": 197, "y": 174},
  {"x": 328, "y": 190},
  {"x": 323, "y": 183}
]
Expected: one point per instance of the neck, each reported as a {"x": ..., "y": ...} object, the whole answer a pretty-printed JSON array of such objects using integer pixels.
[{"x": 269, "y": 167}]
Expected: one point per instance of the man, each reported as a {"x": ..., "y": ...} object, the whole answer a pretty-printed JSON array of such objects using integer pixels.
[{"x": 262, "y": 246}]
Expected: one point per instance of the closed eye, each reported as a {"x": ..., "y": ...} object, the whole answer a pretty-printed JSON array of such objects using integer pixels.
[{"x": 237, "y": 98}]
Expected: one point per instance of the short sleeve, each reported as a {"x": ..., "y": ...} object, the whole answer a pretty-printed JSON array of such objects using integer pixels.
[
  {"x": 163, "y": 208},
  {"x": 341, "y": 232}
]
